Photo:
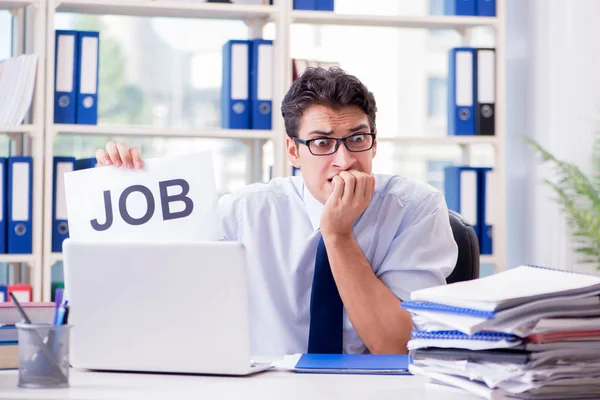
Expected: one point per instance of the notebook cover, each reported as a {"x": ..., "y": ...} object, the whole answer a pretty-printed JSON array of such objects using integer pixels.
[{"x": 353, "y": 364}]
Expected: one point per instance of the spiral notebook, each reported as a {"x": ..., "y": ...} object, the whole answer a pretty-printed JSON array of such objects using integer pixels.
[
  {"x": 508, "y": 289},
  {"x": 458, "y": 340}
]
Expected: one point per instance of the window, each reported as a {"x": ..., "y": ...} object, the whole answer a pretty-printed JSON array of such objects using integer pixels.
[
  {"x": 436, "y": 7},
  {"x": 435, "y": 173},
  {"x": 436, "y": 97}
]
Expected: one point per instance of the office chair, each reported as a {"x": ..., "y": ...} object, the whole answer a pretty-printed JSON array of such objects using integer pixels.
[{"x": 467, "y": 264}]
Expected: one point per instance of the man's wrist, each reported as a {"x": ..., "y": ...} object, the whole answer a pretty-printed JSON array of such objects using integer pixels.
[{"x": 336, "y": 237}]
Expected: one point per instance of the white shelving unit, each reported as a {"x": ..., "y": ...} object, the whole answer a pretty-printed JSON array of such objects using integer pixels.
[
  {"x": 256, "y": 16},
  {"x": 35, "y": 44}
]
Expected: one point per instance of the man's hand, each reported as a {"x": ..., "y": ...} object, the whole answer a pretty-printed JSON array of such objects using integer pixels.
[
  {"x": 120, "y": 155},
  {"x": 352, "y": 191}
]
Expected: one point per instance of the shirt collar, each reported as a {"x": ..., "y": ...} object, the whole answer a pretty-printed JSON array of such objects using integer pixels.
[{"x": 313, "y": 208}]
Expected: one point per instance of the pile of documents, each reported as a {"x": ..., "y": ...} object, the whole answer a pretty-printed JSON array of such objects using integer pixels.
[
  {"x": 527, "y": 333},
  {"x": 17, "y": 80}
]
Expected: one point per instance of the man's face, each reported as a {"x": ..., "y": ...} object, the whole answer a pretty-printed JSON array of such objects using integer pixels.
[{"x": 323, "y": 122}]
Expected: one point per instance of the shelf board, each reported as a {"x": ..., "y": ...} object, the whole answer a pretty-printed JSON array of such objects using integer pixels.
[
  {"x": 12, "y": 4},
  {"x": 440, "y": 140},
  {"x": 16, "y": 258},
  {"x": 160, "y": 8},
  {"x": 487, "y": 259},
  {"x": 19, "y": 128},
  {"x": 398, "y": 21},
  {"x": 136, "y": 130}
]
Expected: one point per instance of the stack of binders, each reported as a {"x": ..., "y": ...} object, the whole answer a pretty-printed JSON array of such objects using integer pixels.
[
  {"x": 76, "y": 67},
  {"x": 247, "y": 89},
  {"x": 471, "y": 91},
  {"x": 527, "y": 333},
  {"x": 468, "y": 192}
]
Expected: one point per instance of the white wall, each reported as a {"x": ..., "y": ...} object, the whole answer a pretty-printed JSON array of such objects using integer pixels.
[{"x": 553, "y": 96}]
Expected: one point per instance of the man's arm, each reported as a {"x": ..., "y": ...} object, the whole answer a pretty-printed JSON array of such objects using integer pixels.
[
  {"x": 373, "y": 309},
  {"x": 413, "y": 261}
]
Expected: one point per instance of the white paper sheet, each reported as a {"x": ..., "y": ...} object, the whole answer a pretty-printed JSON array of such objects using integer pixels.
[
  {"x": 191, "y": 216},
  {"x": 509, "y": 288}
]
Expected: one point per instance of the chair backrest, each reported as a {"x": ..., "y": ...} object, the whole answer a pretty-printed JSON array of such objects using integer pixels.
[{"x": 467, "y": 265}]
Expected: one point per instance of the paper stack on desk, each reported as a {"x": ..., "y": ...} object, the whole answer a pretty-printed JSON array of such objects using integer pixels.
[{"x": 527, "y": 333}]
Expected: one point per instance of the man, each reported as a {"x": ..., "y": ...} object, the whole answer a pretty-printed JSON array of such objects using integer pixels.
[{"x": 331, "y": 254}]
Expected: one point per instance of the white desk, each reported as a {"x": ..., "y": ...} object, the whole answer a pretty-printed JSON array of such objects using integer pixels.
[{"x": 268, "y": 385}]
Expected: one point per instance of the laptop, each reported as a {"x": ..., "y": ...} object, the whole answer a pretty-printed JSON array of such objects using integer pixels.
[{"x": 159, "y": 307}]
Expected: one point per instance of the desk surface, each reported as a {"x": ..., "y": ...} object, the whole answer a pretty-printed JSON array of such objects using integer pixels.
[{"x": 263, "y": 386}]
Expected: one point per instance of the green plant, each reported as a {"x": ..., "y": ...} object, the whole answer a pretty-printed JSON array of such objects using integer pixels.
[{"x": 579, "y": 199}]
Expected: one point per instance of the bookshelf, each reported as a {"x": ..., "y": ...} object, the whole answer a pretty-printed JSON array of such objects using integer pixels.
[
  {"x": 30, "y": 135},
  {"x": 282, "y": 16}
]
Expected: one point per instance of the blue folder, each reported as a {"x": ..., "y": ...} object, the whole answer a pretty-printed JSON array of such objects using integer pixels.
[
  {"x": 462, "y": 90},
  {"x": 305, "y": 5},
  {"x": 88, "y": 65},
  {"x": 486, "y": 8},
  {"x": 388, "y": 364},
  {"x": 235, "y": 89},
  {"x": 460, "y": 7},
  {"x": 19, "y": 202},
  {"x": 65, "y": 76},
  {"x": 85, "y": 163}
]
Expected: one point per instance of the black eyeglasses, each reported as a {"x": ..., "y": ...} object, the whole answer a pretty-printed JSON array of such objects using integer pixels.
[{"x": 324, "y": 146}]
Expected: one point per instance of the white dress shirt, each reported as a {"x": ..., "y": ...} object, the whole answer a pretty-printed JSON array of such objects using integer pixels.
[{"x": 404, "y": 234}]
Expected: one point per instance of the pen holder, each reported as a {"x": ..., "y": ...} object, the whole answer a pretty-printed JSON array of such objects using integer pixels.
[{"x": 43, "y": 355}]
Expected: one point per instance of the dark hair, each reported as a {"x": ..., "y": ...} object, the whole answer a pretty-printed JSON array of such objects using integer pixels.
[{"x": 333, "y": 88}]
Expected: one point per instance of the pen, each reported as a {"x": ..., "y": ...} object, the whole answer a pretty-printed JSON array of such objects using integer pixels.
[
  {"x": 21, "y": 311},
  {"x": 57, "y": 302},
  {"x": 60, "y": 314},
  {"x": 60, "y": 317},
  {"x": 66, "y": 317}
]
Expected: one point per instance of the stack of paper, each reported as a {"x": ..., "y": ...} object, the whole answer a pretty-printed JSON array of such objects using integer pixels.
[
  {"x": 527, "y": 333},
  {"x": 17, "y": 80}
]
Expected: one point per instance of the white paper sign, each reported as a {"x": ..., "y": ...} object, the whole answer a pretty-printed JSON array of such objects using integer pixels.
[{"x": 172, "y": 198}]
